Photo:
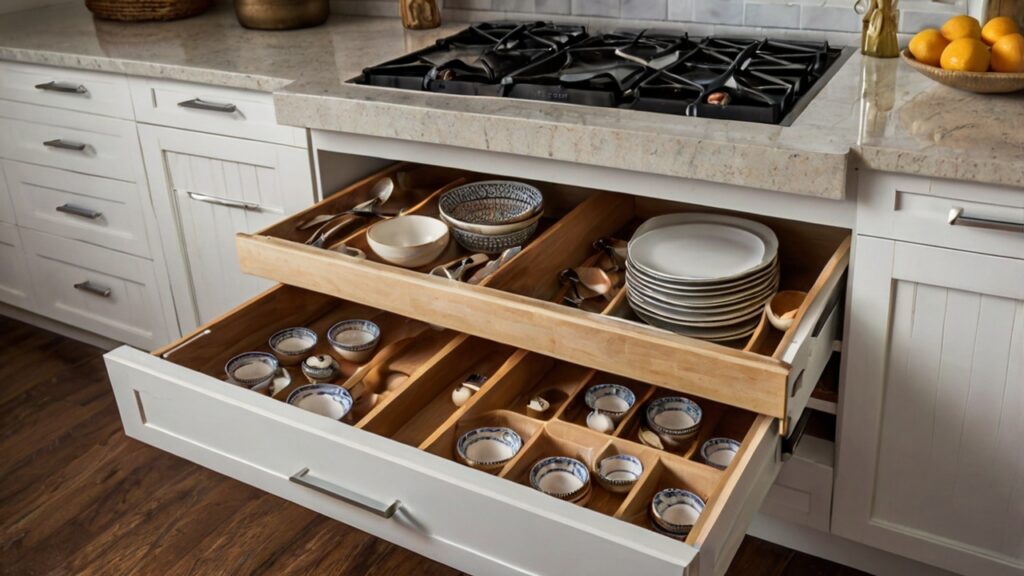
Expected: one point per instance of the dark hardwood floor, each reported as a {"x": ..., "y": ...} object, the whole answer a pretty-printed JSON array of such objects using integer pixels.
[{"x": 79, "y": 497}]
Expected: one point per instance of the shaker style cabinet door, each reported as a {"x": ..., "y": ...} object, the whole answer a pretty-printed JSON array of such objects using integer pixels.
[
  {"x": 206, "y": 188},
  {"x": 931, "y": 464}
]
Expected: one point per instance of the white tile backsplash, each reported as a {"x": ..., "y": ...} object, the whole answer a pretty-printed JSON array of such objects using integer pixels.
[
  {"x": 838, "y": 18},
  {"x": 645, "y": 9},
  {"x": 606, "y": 8},
  {"x": 772, "y": 15},
  {"x": 718, "y": 11}
]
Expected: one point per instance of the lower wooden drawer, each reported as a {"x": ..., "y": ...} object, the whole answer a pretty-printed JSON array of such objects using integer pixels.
[
  {"x": 15, "y": 286},
  {"x": 398, "y": 449},
  {"x": 112, "y": 294},
  {"x": 97, "y": 210}
]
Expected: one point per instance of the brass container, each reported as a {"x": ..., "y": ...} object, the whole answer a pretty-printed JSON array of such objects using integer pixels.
[
  {"x": 419, "y": 14},
  {"x": 281, "y": 14}
]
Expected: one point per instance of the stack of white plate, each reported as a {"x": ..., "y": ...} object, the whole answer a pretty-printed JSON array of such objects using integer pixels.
[{"x": 706, "y": 276}]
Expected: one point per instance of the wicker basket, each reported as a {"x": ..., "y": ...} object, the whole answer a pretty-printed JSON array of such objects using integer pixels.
[{"x": 146, "y": 10}]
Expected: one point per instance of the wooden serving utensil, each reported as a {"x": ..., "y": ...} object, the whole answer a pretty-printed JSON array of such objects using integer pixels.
[{"x": 782, "y": 308}]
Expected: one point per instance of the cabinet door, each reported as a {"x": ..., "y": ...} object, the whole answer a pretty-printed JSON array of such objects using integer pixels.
[
  {"x": 205, "y": 189},
  {"x": 931, "y": 445},
  {"x": 15, "y": 287}
]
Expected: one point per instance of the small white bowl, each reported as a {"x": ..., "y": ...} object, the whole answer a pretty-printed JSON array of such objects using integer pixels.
[
  {"x": 354, "y": 340},
  {"x": 319, "y": 369},
  {"x": 674, "y": 417},
  {"x": 719, "y": 452},
  {"x": 560, "y": 476},
  {"x": 618, "y": 473},
  {"x": 328, "y": 400},
  {"x": 611, "y": 399},
  {"x": 488, "y": 448},
  {"x": 252, "y": 370},
  {"x": 409, "y": 241},
  {"x": 291, "y": 345},
  {"x": 675, "y": 510}
]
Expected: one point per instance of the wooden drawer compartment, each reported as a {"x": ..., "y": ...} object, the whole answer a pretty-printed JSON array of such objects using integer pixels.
[
  {"x": 213, "y": 109},
  {"x": 81, "y": 90},
  {"x": 70, "y": 140},
  {"x": 97, "y": 210},
  {"x": 516, "y": 305},
  {"x": 400, "y": 449}
]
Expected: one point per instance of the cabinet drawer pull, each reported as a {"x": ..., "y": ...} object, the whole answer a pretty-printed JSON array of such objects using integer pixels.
[
  {"x": 198, "y": 104},
  {"x": 93, "y": 289},
  {"x": 303, "y": 478},
  {"x": 222, "y": 201},
  {"x": 60, "y": 143},
  {"x": 79, "y": 211},
  {"x": 65, "y": 87},
  {"x": 958, "y": 218}
]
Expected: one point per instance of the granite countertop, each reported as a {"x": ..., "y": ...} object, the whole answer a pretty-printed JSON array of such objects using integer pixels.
[{"x": 878, "y": 114}]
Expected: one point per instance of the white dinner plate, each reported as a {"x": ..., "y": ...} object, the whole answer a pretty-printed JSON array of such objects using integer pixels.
[
  {"x": 686, "y": 287},
  {"x": 723, "y": 334},
  {"x": 702, "y": 248},
  {"x": 702, "y": 299},
  {"x": 695, "y": 320},
  {"x": 684, "y": 312}
]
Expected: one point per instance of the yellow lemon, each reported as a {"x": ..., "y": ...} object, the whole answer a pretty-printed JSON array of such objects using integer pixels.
[
  {"x": 927, "y": 46},
  {"x": 1008, "y": 54},
  {"x": 961, "y": 27},
  {"x": 966, "y": 55},
  {"x": 998, "y": 27}
]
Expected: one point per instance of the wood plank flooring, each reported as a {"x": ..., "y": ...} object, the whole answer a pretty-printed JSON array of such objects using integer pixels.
[{"x": 79, "y": 497}]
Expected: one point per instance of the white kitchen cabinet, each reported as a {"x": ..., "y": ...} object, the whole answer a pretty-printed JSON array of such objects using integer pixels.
[
  {"x": 206, "y": 188},
  {"x": 931, "y": 459},
  {"x": 15, "y": 286}
]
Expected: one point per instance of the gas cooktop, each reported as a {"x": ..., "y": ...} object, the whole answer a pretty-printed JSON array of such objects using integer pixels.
[{"x": 749, "y": 79}]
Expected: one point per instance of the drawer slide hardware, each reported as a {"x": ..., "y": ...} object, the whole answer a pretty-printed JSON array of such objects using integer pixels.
[
  {"x": 93, "y": 289},
  {"x": 60, "y": 143},
  {"x": 199, "y": 104},
  {"x": 195, "y": 337},
  {"x": 63, "y": 87},
  {"x": 958, "y": 218},
  {"x": 251, "y": 206},
  {"x": 304, "y": 478},
  {"x": 79, "y": 211},
  {"x": 789, "y": 443}
]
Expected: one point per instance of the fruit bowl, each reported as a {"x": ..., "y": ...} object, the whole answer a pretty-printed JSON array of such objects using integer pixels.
[{"x": 979, "y": 82}]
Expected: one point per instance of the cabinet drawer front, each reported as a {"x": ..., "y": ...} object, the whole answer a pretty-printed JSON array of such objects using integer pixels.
[
  {"x": 958, "y": 215},
  {"x": 176, "y": 400},
  {"x": 96, "y": 210},
  {"x": 99, "y": 290},
  {"x": 213, "y": 109},
  {"x": 6, "y": 205},
  {"x": 15, "y": 285},
  {"x": 92, "y": 92},
  {"x": 70, "y": 140},
  {"x": 520, "y": 311}
]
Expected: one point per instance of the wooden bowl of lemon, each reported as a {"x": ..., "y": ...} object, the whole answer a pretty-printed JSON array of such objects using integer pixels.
[{"x": 967, "y": 56}]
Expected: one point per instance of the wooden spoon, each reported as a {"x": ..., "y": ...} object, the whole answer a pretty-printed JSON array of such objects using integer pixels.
[{"x": 782, "y": 308}]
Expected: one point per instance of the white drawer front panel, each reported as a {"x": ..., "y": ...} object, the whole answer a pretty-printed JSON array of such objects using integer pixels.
[
  {"x": 212, "y": 109},
  {"x": 459, "y": 516},
  {"x": 15, "y": 282},
  {"x": 918, "y": 210},
  {"x": 79, "y": 142},
  {"x": 96, "y": 210},
  {"x": 802, "y": 493},
  {"x": 92, "y": 92},
  {"x": 6, "y": 205},
  {"x": 96, "y": 289}
]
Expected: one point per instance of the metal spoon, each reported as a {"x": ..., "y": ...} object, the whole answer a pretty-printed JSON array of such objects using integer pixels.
[
  {"x": 319, "y": 238},
  {"x": 380, "y": 193}
]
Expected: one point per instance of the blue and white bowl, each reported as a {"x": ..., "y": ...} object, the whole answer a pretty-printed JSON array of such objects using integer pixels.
[
  {"x": 328, "y": 400},
  {"x": 488, "y": 448},
  {"x": 354, "y": 340},
  {"x": 291, "y": 345},
  {"x": 675, "y": 510},
  {"x": 618, "y": 473},
  {"x": 611, "y": 399},
  {"x": 491, "y": 207},
  {"x": 252, "y": 370},
  {"x": 320, "y": 369},
  {"x": 674, "y": 417},
  {"x": 494, "y": 243},
  {"x": 562, "y": 477},
  {"x": 719, "y": 452}
]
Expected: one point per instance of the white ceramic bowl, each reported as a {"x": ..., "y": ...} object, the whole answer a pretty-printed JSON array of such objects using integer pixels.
[
  {"x": 252, "y": 370},
  {"x": 560, "y": 476},
  {"x": 409, "y": 241},
  {"x": 328, "y": 400},
  {"x": 719, "y": 452},
  {"x": 675, "y": 510},
  {"x": 354, "y": 340},
  {"x": 613, "y": 400},
  {"x": 488, "y": 448},
  {"x": 619, "y": 472},
  {"x": 291, "y": 345}
]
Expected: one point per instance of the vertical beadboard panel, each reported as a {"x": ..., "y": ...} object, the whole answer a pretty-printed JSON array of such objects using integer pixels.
[{"x": 951, "y": 448}]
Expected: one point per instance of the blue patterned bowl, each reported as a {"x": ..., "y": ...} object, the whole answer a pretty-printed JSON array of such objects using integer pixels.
[
  {"x": 354, "y": 340},
  {"x": 674, "y": 417},
  {"x": 675, "y": 510},
  {"x": 328, "y": 400},
  {"x": 611, "y": 399},
  {"x": 291, "y": 345},
  {"x": 560, "y": 476},
  {"x": 488, "y": 448},
  {"x": 719, "y": 452},
  {"x": 252, "y": 370},
  {"x": 618, "y": 473},
  {"x": 491, "y": 207},
  {"x": 492, "y": 244}
]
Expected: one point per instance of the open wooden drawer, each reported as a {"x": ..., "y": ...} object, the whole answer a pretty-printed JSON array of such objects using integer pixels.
[
  {"x": 389, "y": 469},
  {"x": 519, "y": 304}
]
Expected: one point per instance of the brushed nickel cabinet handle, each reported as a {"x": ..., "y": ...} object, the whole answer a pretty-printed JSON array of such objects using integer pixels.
[
  {"x": 65, "y": 87},
  {"x": 79, "y": 211},
  {"x": 228, "y": 202},
  {"x": 93, "y": 289},
  {"x": 63, "y": 145},
  {"x": 958, "y": 218},
  {"x": 382, "y": 509},
  {"x": 199, "y": 104}
]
